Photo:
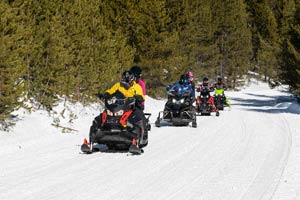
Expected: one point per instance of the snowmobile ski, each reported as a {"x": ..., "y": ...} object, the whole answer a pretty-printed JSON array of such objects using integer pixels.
[
  {"x": 133, "y": 149},
  {"x": 85, "y": 148}
]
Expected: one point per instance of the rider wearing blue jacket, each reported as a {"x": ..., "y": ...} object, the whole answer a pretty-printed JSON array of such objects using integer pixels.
[
  {"x": 182, "y": 84},
  {"x": 180, "y": 87}
]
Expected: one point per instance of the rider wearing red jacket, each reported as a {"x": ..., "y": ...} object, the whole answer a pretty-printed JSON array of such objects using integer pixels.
[{"x": 205, "y": 88}]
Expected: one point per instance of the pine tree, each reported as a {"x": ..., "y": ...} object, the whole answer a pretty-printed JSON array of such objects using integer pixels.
[
  {"x": 233, "y": 38},
  {"x": 75, "y": 55},
  {"x": 100, "y": 54},
  {"x": 157, "y": 48},
  {"x": 196, "y": 38},
  {"x": 291, "y": 53},
  {"x": 145, "y": 25},
  {"x": 265, "y": 37},
  {"x": 15, "y": 44},
  {"x": 45, "y": 63}
]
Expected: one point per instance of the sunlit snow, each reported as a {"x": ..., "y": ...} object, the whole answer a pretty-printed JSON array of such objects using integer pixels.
[{"x": 251, "y": 152}]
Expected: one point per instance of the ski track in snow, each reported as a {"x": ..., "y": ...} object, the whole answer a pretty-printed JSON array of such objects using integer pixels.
[{"x": 244, "y": 154}]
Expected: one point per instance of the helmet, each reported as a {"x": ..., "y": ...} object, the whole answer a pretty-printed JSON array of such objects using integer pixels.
[
  {"x": 220, "y": 79},
  {"x": 128, "y": 77},
  {"x": 183, "y": 79},
  {"x": 205, "y": 80},
  {"x": 190, "y": 76},
  {"x": 137, "y": 71}
]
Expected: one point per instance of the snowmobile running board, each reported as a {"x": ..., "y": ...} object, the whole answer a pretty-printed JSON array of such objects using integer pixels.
[{"x": 135, "y": 150}]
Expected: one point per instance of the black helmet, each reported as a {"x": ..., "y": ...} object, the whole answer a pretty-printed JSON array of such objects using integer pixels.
[
  {"x": 220, "y": 79},
  {"x": 205, "y": 81},
  {"x": 128, "y": 77},
  {"x": 183, "y": 79},
  {"x": 137, "y": 71}
]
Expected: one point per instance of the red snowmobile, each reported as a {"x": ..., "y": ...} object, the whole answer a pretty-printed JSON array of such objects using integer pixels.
[{"x": 205, "y": 102}]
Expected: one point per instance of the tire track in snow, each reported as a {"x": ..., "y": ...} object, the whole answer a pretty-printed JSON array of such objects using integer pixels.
[
  {"x": 164, "y": 170},
  {"x": 267, "y": 178},
  {"x": 199, "y": 157},
  {"x": 219, "y": 170}
]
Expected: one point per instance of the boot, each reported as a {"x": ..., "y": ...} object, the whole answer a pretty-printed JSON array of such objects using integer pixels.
[
  {"x": 142, "y": 129},
  {"x": 134, "y": 148}
]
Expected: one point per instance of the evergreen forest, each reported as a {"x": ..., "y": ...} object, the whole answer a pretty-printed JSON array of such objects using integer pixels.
[{"x": 74, "y": 49}]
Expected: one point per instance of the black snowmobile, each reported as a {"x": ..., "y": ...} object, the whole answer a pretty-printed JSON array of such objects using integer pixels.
[
  {"x": 117, "y": 128},
  {"x": 220, "y": 98},
  {"x": 220, "y": 101},
  {"x": 178, "y": 110}
]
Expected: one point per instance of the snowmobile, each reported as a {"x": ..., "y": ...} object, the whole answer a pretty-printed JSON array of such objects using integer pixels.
[
  {"x": 220, "y": 99},
  {"x": 178, "y": 109},
  {"x": 117, "y": 130},
  {"x": 205, "y": 103}
]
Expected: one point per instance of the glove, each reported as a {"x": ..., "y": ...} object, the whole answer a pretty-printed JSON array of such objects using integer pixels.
[
  {"x": 193, "y": 99},
  {"x": 106, "y": 95},
  {"x": 168, "y": 87},
  {"x": 99, "y": 95},
  {"x": 138, "y": 101},
  {"x": 138, "y": 98}
]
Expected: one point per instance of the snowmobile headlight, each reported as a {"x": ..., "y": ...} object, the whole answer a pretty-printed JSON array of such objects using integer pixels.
[
  {"x": 110, "y": 113},
  {"x": 173, "y": 100},
  {"x": 119, "y": 113},
  {"x": 181, "y": 101}
]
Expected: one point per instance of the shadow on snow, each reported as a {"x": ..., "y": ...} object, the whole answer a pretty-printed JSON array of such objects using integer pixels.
[{"x": 273, "y": 104}]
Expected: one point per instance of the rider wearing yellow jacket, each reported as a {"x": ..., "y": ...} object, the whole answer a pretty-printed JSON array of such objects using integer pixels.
[{"x": 127, "y": 89}]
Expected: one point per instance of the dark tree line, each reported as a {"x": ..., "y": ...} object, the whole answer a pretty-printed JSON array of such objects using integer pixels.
[{"x": 72, "y": 49}]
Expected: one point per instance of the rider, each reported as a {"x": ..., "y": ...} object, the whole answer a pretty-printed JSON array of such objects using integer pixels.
[
  {"x": 182, "y": 85},
  {"x": 205, "y": 88},
  {"x": 190, "y": 79},
  {"x": 137, "y": 71},
  {"x": 220, "y": 87},
  {"x": 183, "y": 82},
  {"x": 220, "y": 84},
  {"x": 129, "y": 88}
]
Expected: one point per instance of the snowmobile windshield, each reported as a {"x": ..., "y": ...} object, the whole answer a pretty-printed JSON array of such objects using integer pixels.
[
  {"x": 178, "y": 91},
  {"x": 119, "y": 102}
]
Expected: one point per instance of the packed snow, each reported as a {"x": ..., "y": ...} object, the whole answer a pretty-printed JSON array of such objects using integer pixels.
[{"x": 249, "y": 152}]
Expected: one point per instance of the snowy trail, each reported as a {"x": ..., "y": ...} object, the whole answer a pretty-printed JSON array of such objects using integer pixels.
[{"x": 243, "y": 155}]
